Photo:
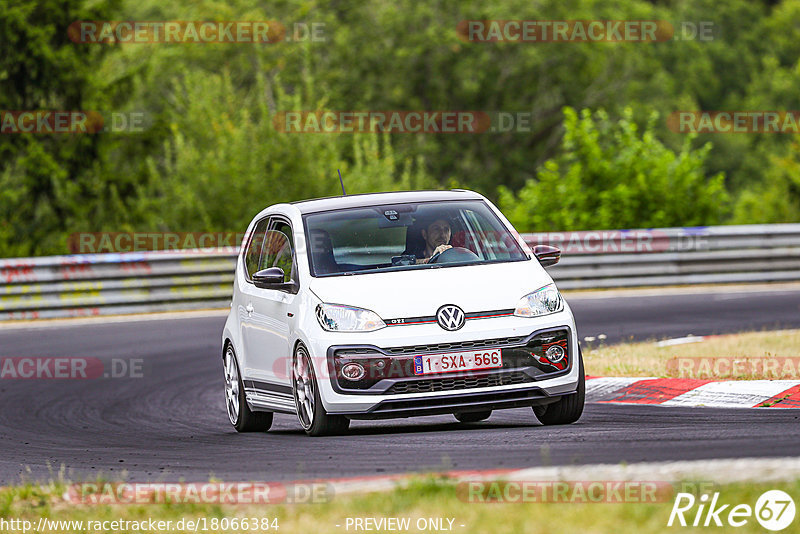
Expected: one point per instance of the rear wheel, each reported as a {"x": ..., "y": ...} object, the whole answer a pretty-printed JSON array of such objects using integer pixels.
[
  {"x": 473, "y": 417},
  {"x": 241, "y": 417},
  {"x": 568, "y": 408},
  {"x": 313, "y": 418}
]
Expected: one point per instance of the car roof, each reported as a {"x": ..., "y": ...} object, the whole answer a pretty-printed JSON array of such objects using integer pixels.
[{"x": 372, "y": 199}]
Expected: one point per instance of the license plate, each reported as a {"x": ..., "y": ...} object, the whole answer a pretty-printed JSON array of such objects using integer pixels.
[{"x": 458, "y": 361}]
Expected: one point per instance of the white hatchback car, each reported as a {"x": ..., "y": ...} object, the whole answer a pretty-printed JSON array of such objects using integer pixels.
[{"x": 395, "y": 305}]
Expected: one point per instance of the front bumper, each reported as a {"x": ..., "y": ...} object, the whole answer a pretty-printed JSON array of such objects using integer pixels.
[
  {"x": 391, "y": 370},
  {"x": 469, "y": 401},
  {"x": 500, "y": 391}
]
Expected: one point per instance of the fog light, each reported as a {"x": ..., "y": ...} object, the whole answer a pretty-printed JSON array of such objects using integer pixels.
[
  {"x": 353, "y": 371},
  {"x": 555, "y": 354}
]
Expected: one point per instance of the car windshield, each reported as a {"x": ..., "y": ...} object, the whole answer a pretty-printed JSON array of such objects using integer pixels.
[{"x": 407, "y": 236}]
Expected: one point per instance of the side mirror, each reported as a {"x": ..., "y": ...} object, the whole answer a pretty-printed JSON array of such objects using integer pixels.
[
  {"x": 547, "y": 255},
  {"x": 271, "y": 278}
]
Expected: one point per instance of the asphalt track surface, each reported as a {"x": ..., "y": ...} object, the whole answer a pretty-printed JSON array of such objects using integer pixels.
[{"x": 171, "y": 424}]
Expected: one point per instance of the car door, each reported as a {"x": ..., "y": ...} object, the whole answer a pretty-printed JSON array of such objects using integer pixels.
[
  {"x": 266, "y": 336},
  {"x": 243, "y": 300}
]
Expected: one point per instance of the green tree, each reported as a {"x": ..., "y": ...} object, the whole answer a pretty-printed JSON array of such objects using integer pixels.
[
  {"x": 210, "y": 156},
  {"x": 776, "y": 199},
  {"x": 225, "y": 160},
  {"x": 47, "y": 181},
  {"x": 609, "y": 175}
]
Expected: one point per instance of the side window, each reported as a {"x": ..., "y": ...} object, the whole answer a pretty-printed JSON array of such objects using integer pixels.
[
  {"x": 278, "y": 250},
  {"x": 252, "y": 255},
  {"x": 493, "y": 247}
]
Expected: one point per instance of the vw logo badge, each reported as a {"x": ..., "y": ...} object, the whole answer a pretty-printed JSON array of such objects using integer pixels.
[{"x": 450, "y": 317}]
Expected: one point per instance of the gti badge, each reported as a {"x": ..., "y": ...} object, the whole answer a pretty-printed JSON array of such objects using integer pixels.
[{"x": 450, "y": 317}]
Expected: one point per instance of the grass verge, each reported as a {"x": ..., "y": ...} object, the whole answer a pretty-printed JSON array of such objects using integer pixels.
[
  {"x": 422, "y": 498},
  {"x": 648, "y": 359}
]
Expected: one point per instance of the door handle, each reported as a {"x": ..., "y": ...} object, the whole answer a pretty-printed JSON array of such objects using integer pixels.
[{"x": 249, "y": 308}]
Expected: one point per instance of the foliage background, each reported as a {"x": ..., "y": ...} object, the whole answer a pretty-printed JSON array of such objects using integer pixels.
[{"x": 599, "y": 154}]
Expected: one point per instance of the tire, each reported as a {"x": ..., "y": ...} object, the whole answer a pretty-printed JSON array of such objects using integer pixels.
[
  {"x": 568, "y": 408},
  {"x": 473, "y": 417},
  {"x": 310, "y": 412},
  {"x": 241, "y": 417}
]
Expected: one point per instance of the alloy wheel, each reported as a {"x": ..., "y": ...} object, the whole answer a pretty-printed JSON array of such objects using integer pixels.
[
  {"x": 303, "y": 388},
  {"x": 231, "y": 386}
]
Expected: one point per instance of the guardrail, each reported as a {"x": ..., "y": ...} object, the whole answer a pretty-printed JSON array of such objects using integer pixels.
[
  {"x": 675, "y": 256},
  {"x": 136, "y": 282}
]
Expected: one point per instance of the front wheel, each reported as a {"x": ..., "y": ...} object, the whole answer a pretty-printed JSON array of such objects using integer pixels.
[
  {"x": 241, "y": 417},
  {"x": 313, "y": 418},
  {"x": 568, "y": 408}
]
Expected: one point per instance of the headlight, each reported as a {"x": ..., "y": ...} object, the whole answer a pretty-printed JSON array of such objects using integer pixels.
[
  {"x": 543, "y": 301},
  {"x": 336, "y": 318}
]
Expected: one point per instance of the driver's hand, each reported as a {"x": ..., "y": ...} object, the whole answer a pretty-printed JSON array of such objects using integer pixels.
[{"x": 438, "y": 250}]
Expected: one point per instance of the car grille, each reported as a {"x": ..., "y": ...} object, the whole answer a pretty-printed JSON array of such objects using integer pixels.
[
  {"x": 449, "y": 384},
  {"x": 458, "y": 345}
]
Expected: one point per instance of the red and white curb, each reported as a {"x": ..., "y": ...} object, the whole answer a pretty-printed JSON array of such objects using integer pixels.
[{"x": 694, "y": 392}]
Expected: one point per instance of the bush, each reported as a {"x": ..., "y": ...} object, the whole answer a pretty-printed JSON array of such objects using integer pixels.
[
  {"x": 777, "y": 198},
  {"x": 608, "y": 175},
  {"x": 225, "y": 161}
]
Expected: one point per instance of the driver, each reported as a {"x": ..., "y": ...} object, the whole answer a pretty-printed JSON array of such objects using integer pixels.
[{"x": 437, "y": 238}]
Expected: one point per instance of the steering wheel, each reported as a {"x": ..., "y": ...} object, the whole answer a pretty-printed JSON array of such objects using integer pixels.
[{"x": 452, "y": 255}]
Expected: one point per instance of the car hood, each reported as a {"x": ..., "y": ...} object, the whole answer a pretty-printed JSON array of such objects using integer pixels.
[{"x": 420, "y": 292}]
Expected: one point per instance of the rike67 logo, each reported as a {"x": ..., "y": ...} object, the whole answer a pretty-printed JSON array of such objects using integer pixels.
[{"x": 774, "y": 510}]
